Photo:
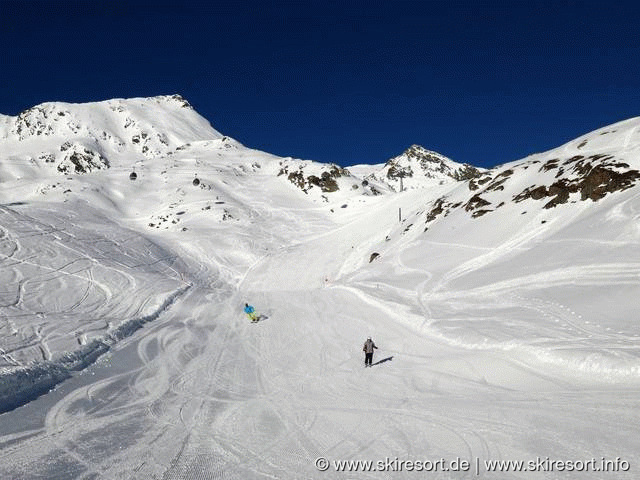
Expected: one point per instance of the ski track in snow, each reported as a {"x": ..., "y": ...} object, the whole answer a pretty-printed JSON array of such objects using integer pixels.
[
  {"x": 212, "y": 396},
  {"x": 235, "y": 404},
  {"x": 498, "y": 347}
]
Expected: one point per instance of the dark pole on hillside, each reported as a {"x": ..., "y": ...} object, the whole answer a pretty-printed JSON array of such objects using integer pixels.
[{"x": 400, "y": 214}]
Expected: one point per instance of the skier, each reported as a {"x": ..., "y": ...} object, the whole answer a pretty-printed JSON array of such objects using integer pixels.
[
  {"x": 251, "y": 312},
  {"x": 368, "y": 348}
]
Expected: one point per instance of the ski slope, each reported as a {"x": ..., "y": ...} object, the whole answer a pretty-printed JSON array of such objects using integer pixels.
[
  {"x": 202, "y": 393},
  {"x": 509, "y": 337}
]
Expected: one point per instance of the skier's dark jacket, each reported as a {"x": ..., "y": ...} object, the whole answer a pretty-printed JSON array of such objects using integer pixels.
[{"x": 369, "y": 346}]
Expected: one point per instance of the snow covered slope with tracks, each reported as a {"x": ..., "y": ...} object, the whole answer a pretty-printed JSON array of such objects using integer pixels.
[{"x": 502, "y": 304}]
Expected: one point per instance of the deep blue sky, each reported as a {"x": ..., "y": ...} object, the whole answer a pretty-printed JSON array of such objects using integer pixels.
[{"x": 482, "y": 82}]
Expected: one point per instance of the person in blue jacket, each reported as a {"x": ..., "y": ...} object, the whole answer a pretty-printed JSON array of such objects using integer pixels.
[{"x": 251, "y": 312}]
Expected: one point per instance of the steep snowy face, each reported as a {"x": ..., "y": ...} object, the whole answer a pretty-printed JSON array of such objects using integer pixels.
[
  {"x": 418, "y": 167},
  {"x": 79, "y": 138},
  {"x": 586, "y": 169}
]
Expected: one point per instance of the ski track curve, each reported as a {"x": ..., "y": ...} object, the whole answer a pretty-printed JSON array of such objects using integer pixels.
[{"x": 204, "y": 394}]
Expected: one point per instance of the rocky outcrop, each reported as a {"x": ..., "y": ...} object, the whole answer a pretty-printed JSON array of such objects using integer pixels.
[
  {"x": 326, "y": 181},
  {"x": 79, "y": 159},
  {"x": 554, "y": 181},
  {"x": 592, "y": 177},
  {"x": 475, "y": 202}
]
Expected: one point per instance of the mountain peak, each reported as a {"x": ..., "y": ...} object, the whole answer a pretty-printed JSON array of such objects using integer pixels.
[
  {"x": 419, "y": 152},
  {"x": 108, "y": 132},
  {"x": 175, "y": 98},
  {"x": 419, "y": 167}
]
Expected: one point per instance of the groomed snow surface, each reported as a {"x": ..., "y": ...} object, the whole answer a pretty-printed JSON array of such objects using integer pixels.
[{"x": 510, "y": 337}]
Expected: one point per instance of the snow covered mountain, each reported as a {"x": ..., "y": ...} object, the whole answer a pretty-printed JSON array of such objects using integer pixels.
[
  {"x": 503, "y": 302},
  {"x": 588, "y": 168},
  {"x": 134, "y": 168},
  {"x": 80, "y": 138},
  {"x": 418, "y": 167}
]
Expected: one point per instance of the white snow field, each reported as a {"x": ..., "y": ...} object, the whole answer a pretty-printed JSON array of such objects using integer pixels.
[{"x": 506, "y": 327}]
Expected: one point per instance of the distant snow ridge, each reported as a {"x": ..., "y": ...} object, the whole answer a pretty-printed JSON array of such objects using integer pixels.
[
  {"x": 588, "y": 168},
  {"x": 418, "y": 167},
  {"x": 80, "y": 138},
  {"x": 311, "y": 176}
]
